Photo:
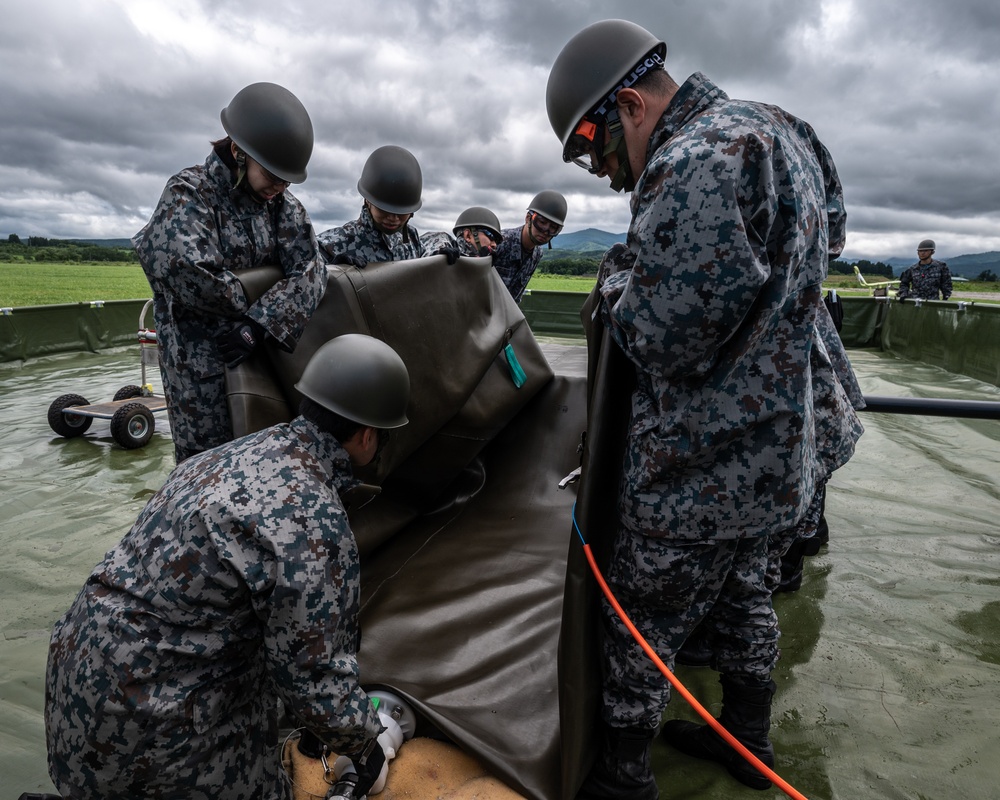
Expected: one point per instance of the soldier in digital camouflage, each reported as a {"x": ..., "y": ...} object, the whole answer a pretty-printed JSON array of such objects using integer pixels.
[
  {"x": 476, "y": 233},
  {"x": 714, "y": 299},
  {"x": 391, "y": 183},
  {"x": 230, "y": 214},
  {"x": 520, "y": 249},
  {"x": 238, "y": 584},
  {"x": 928, "y": 279}
]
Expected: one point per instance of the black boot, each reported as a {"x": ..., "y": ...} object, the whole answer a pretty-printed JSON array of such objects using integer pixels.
[
  {"x": 622, "y": 768},
  {"x": 792, "y": 563},
  {"x": 746, "y": 714}
]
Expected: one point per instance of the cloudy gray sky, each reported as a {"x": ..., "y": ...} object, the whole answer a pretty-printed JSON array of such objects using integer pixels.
[{"x": 101, "y": 101}]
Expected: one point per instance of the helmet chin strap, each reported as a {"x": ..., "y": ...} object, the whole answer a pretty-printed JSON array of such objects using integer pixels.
[
  {"x": 241, "y": 165},
  {"x": 241, "y": 175},
  {"x": 623, "y": 178}
]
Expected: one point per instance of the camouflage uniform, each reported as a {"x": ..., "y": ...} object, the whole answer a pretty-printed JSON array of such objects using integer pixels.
[
  {"x": 926, "y": 281},
  {"x": 364, "y": 244},
  {"x": 203, "y": 231},
  {"x": 434, "y": 241},
  {"x": 515, "y": 265},
  {"x": 238, "y": 584},
  {"x": 729, "y": 242},
  {"x": 836, "y": 397}
]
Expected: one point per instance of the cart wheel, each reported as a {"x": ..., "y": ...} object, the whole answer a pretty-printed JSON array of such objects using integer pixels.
[
  {"x": 128, "y": 392},
  {"x": 132, "y": 425},
  {"x": 68, "y": 425}
]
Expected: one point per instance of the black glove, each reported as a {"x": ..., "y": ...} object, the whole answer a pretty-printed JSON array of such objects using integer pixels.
[
  {"x": 448, "y": 251},
  {"x": 348, "y": 260},
  {"x": 236, "y": 344},
  {"x": 368, "y": 764}
]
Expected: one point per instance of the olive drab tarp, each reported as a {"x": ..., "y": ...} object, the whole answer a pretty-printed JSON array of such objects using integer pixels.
[{"x": 464, "y": 549}]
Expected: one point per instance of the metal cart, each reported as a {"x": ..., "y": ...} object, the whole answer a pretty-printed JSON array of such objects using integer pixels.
[{"x": 132, "y": 409}]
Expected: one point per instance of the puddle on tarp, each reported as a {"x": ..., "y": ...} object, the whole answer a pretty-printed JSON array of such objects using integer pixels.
[{"x": 890, "y": 667}]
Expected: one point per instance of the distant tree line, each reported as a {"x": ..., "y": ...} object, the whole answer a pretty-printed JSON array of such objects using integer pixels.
[
  {"x": 866, "y": 267},
  {"x": 42, "y": 250},
  {"x": 567, "y": 262}
]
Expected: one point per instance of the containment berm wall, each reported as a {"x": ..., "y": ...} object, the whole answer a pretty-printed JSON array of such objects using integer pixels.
[{"x": 961, "y": 337}]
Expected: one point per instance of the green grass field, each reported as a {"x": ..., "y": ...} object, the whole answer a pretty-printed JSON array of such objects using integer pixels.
[{"x": 46, "y": 284}]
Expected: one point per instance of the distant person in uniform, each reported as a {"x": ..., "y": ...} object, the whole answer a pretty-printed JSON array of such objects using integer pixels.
[
  {"x": 517, "y": 257},
  {"x": 476, "y": 233},
  {"x": 237, "y": 586},
  {"x": 928, "y": 279},
  {"x": 230, "y": 214},
  {"x": 714, "y": 300},
  {"x": 390, "y": 185},
  {"x": 477, "y": 230}
]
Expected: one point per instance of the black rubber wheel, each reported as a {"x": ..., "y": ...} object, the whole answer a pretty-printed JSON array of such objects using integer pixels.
[
  {"x": 68, "y": 425},
  {"x": 128, "y": 392},
  {"x": 132, "y": 425}
]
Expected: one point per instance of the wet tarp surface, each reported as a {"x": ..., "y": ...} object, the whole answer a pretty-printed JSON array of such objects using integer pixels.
[{"x": 890, "y": 666}]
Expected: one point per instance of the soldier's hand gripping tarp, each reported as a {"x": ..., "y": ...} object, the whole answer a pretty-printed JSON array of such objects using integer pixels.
[{"x": 464, "y": 550}]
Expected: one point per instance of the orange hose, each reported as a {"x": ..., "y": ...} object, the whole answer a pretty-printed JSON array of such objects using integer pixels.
[{"x": 759, "y": 765}]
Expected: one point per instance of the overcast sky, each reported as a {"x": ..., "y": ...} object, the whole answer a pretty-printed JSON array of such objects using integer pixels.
[{"x": 102, "y": 100}]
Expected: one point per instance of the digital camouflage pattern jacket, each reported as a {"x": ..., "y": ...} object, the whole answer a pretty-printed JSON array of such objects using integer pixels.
[
  {"x": 732, "y": 224},
  {"x": 514, "y": 264},
  {"x": 361, "y": 242},
  {"x": 926, "y": 281},
  {"x": 203, "y": 231},
  {"x": 238, "y": 584}
]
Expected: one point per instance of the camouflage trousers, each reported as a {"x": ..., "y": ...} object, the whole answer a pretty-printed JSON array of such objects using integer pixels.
[
  {"x": 198, "y": 412},
  {"x": 779, "y": 543},
  {"x": 667, "y": 589}
]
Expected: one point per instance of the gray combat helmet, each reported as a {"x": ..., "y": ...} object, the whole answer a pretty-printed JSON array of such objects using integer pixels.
[
  {"x": 478, "y": 217},
  {"x": 361, "y": 379},
  {"x": 391, "y": 180},
  {"x": 550, "y": 204},
  {"x": 269, "y": 124},
  {"x": 583, "y": 86},
  {"x": 593, "y": 66},
  {"x": 926, "y": 244}
]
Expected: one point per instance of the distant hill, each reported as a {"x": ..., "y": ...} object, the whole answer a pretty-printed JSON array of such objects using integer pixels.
[{"x": 586, "y": 240}]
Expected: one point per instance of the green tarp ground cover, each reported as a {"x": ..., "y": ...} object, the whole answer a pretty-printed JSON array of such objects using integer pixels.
[{"x": 890, "y": 652}]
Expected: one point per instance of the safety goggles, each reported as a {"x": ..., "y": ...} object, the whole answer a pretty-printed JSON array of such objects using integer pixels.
[
  {"x": 586, "y": 147},
  {"x": 270, "y": 177},
  {"x": 493, "y": 236},
  {"x": 545, "y": 226}
]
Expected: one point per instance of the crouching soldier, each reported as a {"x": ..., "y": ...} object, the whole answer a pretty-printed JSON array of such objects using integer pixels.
[{"x": 237, "y": 585}]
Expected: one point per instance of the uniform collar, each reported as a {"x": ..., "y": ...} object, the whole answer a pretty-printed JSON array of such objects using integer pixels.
[
  {"x": 327, "y": 451},
  {"x": 694, "y": 97}
]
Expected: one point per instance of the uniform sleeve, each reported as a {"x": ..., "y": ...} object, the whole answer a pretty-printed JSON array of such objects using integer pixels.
[
  {"x": 696, "y": 272},
  {"x": 287, "y": 306},
  {"x": 905, "y": 282},
  {"x": 180, "y": 253},
  {"x": 333, "y": 242},
  {"x": 310, "y": 625},
  {"x": 946, "y": 285},
  {"x": 836, "y": 213},
  {"x": 433, "y": 241}
]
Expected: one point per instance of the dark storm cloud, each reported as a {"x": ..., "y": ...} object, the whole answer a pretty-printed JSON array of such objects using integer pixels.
[{"x": 103, "y": 101}]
